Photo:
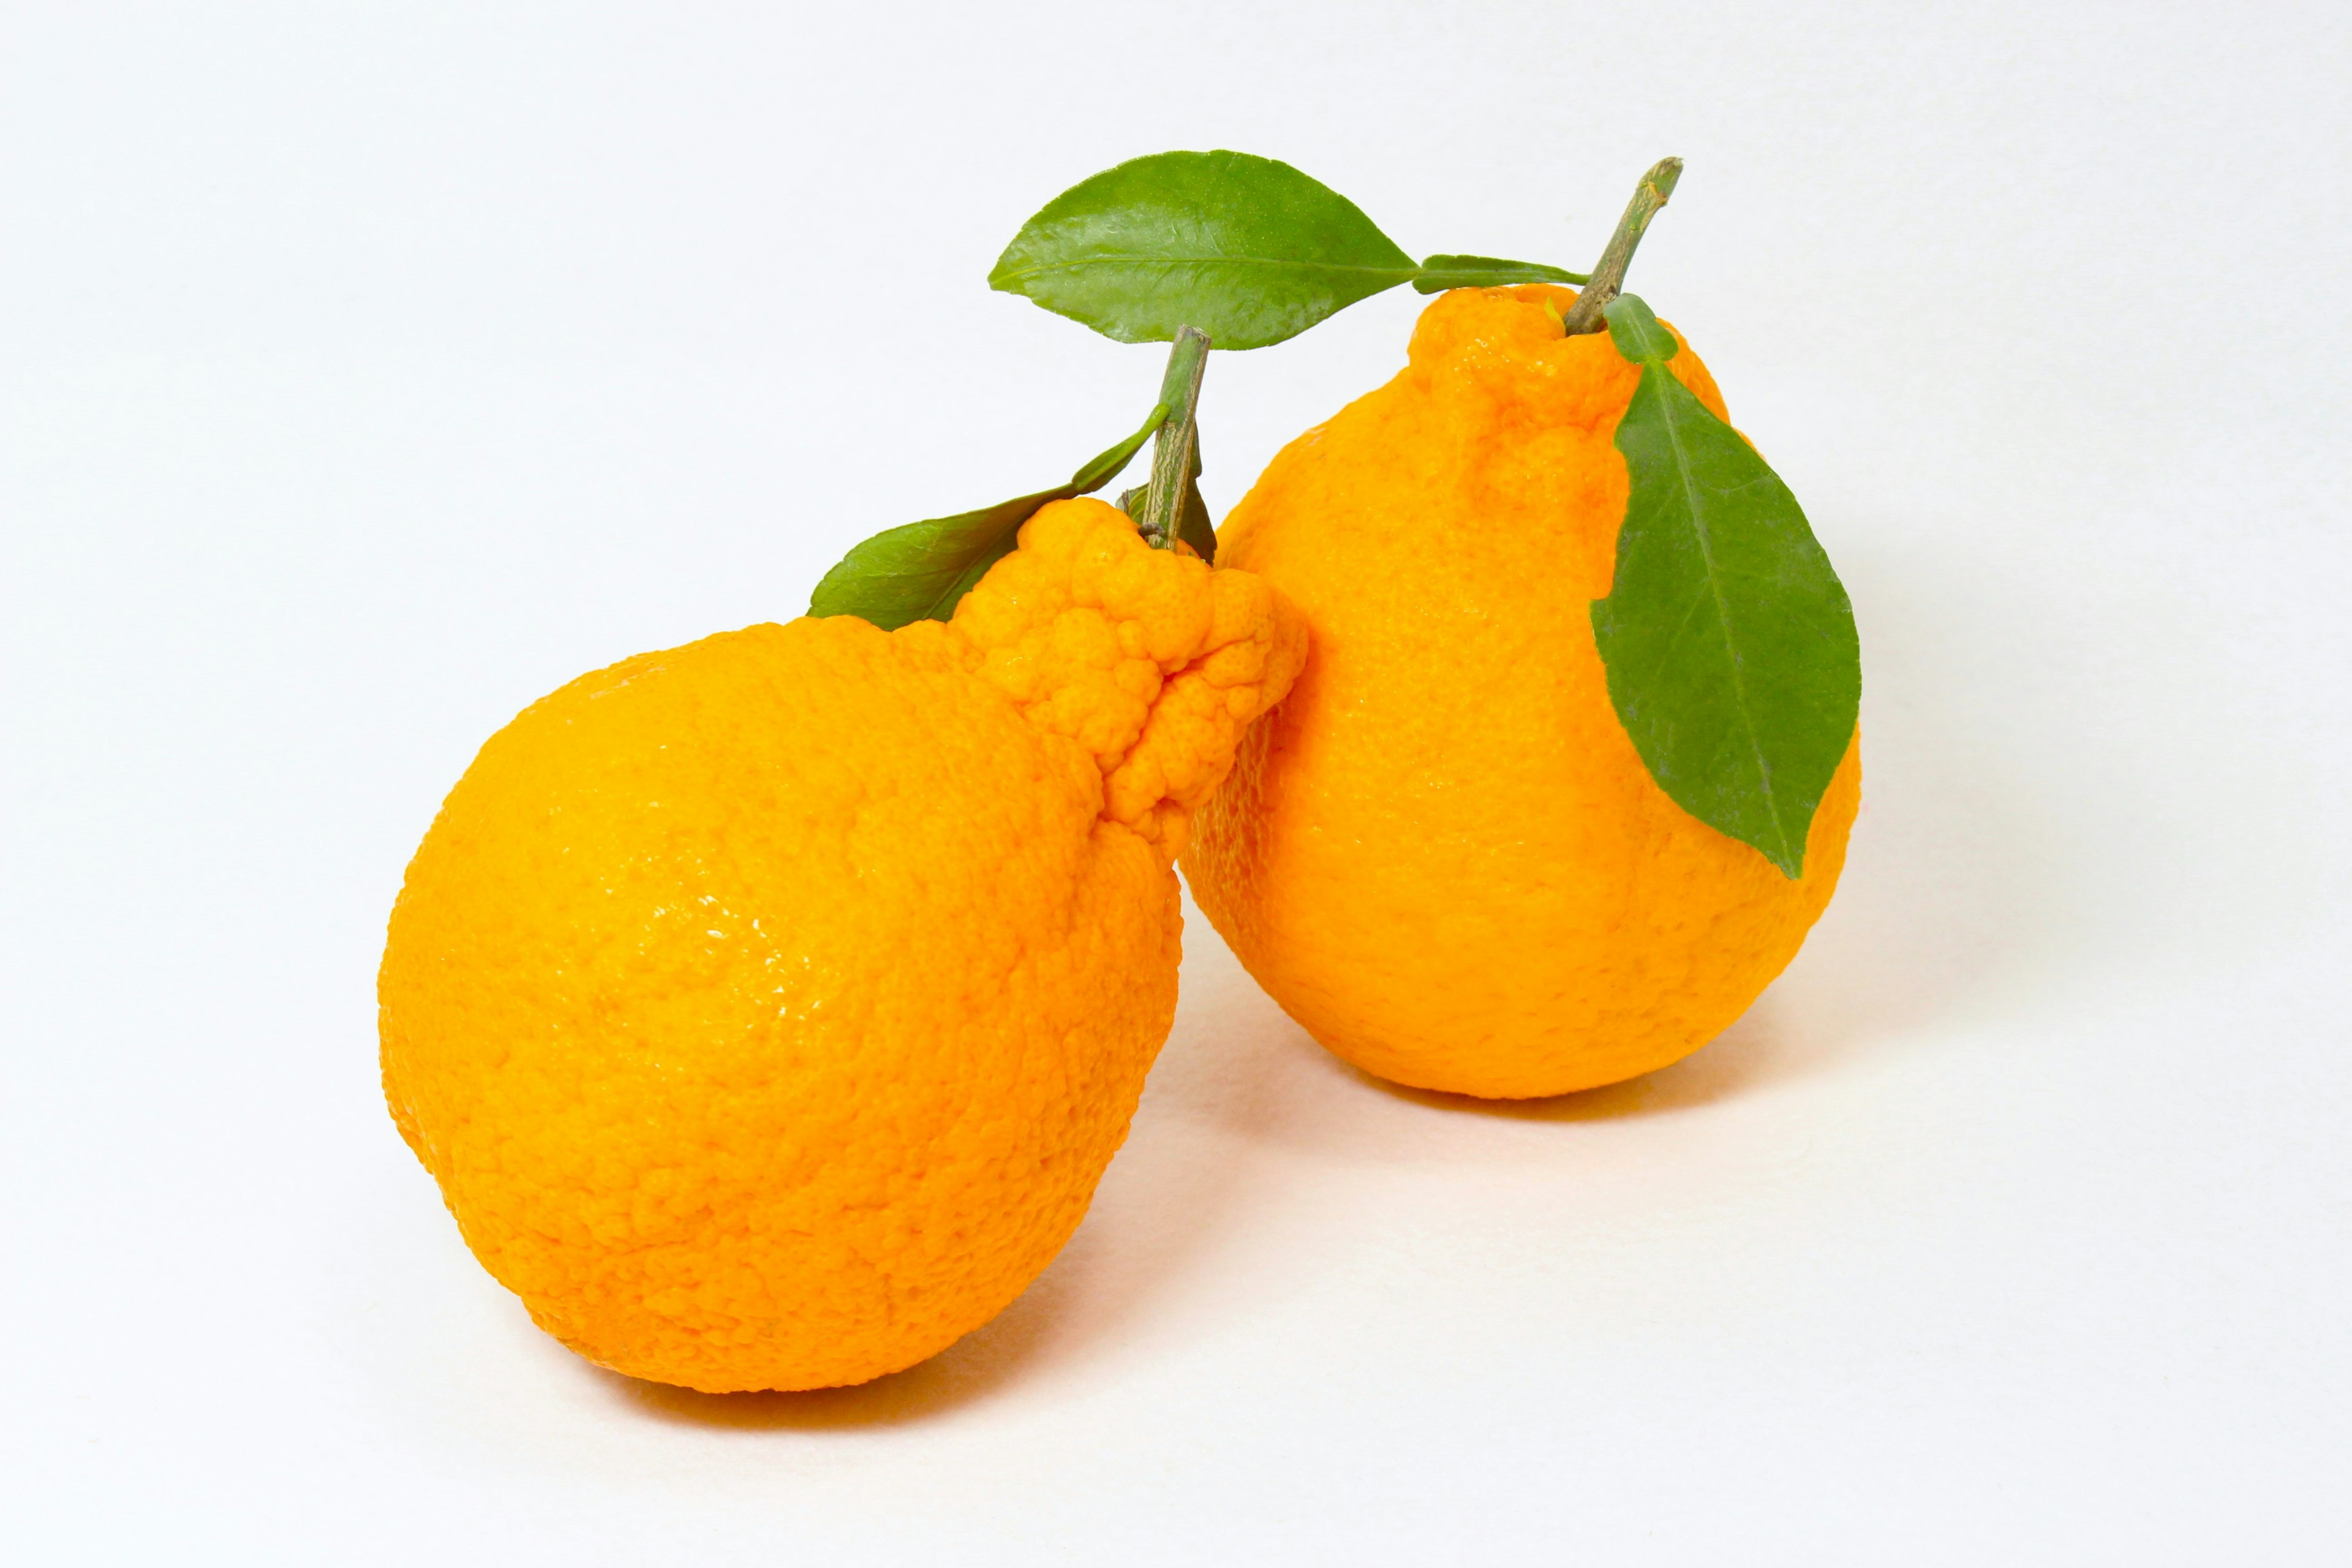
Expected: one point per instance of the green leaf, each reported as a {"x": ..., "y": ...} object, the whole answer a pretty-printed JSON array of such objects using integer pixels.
[
  {"x": 1440, "y": 273},
  {"x": 1247, "y": 249},
  {"x": 923, "y": 570},
  {"x": 1192, "y": 524},
  {"x": 1728, "y": 641}
]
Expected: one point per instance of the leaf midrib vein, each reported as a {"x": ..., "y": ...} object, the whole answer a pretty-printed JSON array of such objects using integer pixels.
[{"x": 1399, "y": 273}]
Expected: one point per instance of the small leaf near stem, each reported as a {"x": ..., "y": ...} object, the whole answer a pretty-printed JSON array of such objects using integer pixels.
[
  {"x": 1192, "y": 524},
  {"x": 1609, "y": 273},
  {"x": 1174, "y": 445},
  {"x": 921, "y": 571}
]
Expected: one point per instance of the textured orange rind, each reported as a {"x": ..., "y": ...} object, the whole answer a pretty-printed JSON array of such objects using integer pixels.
[
  {"x": 768, "y": 1008},
  {"x": 1442, "y": 855}
]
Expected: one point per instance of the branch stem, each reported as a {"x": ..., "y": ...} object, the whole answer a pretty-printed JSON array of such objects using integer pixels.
[
  {"x": 1173, "y": 448},
  {"x": 1608, "y": 272}
]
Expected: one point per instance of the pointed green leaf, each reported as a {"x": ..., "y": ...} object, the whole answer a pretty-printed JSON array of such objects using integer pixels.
[
  {"x": 1247, "y": 249},
  {"x": 1440, "y": 273},
  {"x": 1728, "y": 641},
  {"x": 1192, "y": 524},
  {"x": 922, "y": 570}
]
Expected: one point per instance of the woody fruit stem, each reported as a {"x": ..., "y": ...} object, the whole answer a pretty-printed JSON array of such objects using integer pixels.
[
  {"x": 1608, "y": 272},
  {"x": 1173, "y": 448}
]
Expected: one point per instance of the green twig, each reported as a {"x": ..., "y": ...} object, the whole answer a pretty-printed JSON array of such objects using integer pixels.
[
  {"x": 1608, "y": 272},
  {"x": 1173, "y": 448}
]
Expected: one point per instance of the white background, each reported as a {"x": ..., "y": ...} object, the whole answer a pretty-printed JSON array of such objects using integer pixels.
[{"x": 367, "y": 370}]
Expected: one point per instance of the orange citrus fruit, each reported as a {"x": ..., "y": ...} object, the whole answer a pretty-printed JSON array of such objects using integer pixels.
[
  {"x": 1442, "y": 855},
  {"x": 768, "y": 1008}
]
